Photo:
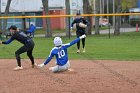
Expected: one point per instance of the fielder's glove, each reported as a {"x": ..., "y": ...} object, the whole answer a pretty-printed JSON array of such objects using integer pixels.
[
  {"x": 82, "y": 25},
  {"x": 41, "y": 65},
  {"x": 83, "y": 36}
]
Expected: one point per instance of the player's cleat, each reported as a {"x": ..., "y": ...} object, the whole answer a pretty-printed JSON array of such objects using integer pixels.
[
  {"x": 18, "y": 68},
  {"x": 35, "y": 65},
  {"x": 84, "y": 50},
  {"x": 78, "y": 51}
]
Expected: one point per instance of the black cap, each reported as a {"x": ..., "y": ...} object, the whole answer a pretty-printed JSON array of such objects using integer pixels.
[
  {"x": 13, "y": 27},
  {"x": 78, "y": 13}
]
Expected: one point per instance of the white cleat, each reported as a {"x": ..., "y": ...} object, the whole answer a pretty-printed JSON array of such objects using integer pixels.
[
  {"x": 35, "y": 65},
  {"x": 18, "y": 68},
  {"x": 84, "y": 50},
  {"x": 78, "y": 51}
]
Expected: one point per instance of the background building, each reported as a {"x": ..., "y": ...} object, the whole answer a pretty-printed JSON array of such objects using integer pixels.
[
  {"x": 35, "y": 7},
  {"x": 32, "y": 8}
]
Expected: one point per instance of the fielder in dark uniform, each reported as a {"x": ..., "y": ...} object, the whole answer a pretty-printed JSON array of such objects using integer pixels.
[
  {"x": 80, "y": 30},
  {"x": 28, "y": 45}
]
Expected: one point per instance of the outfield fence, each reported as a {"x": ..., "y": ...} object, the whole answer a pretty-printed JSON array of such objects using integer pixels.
[
  {"x": 84, "y": 15},
  {"x": 129, "y": 21}
]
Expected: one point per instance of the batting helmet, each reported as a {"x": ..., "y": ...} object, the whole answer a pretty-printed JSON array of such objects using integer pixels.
[{"x": 57, "y": 41}]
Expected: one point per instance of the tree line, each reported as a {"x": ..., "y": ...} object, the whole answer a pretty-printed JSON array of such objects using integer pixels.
[{"x": 87, "y": 9}]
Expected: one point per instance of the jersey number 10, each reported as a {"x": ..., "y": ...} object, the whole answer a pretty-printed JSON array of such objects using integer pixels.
[{"x": 61, "y": 53}]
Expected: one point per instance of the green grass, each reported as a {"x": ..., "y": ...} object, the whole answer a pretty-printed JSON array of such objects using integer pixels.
[
  {"x": 100, "y": 47},
  {"x": 104, "y": 28},
  {"x": 42, "y": 31}
]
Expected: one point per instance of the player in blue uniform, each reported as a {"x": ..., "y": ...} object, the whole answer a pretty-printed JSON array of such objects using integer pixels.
[
  {"x": 28, "y": 45},
  {"x": 31, "y": 30},
  {"x": 61, "y": 54},
  {"x": 80, "y": 30}
]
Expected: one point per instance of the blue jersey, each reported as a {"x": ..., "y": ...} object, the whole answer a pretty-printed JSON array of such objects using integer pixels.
[
  {"x": 61, "y": 53},
  {"x": 31, "y": 29}
]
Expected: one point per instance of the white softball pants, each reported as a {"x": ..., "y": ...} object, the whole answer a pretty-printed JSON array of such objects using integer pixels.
[{"x": 58, "y": 68}]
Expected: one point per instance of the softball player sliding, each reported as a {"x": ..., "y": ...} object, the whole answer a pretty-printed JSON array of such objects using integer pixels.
[
  {"x": 81, "y": 24},
  {"x": 26, "y": 41},
  {"x": 61, "y": 54}
]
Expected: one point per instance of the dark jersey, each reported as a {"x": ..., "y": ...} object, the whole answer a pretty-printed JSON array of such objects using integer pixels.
[
  {"x": 19, "y": 36},
  {"x": 77, "y": 21}
]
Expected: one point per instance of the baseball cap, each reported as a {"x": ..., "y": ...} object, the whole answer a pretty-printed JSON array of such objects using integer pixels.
[
  {"x": 78, "y": 13},
  {"x": 13, "y": 27}
]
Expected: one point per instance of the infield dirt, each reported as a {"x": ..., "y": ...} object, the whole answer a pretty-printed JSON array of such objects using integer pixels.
[{"x": 86, "y": 76}]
